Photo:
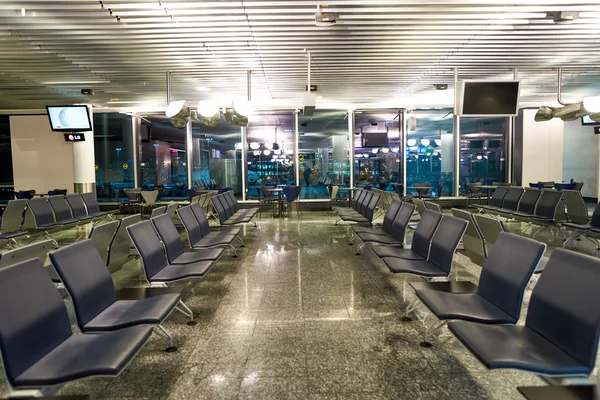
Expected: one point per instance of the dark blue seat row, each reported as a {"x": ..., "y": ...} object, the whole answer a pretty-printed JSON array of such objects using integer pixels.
[
  {"x": 228, "y": 211},
  {"x": 362, "y": 210}
]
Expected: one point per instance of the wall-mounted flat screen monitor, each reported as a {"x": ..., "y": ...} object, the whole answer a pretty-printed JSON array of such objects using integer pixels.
[
  {"x": 586, "y": 120},
  {"x": 486, "y": 98},
  {"x": 69, "y": 118},
  {"x": 74, "y": 137}
]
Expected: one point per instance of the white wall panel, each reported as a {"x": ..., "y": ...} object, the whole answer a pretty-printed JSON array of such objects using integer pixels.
[
  {"x": 580, "y": 156},
  {"x": 542, "y": 149}
]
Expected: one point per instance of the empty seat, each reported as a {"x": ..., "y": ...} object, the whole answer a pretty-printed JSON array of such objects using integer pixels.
[
  {"x": 430, "y": 205},
  {"x": 32, "y": 305},
  {"x": 497, "y": 198},
  {"x": 12, "y": 220},
  {"x": 119, "y": 250},
  {"x": 499, "y": 296},
  {"x": 102, "y": 236},
  {"x": 473, "y": 242},
  {"x": 205, "y": 230},
  {"x": 158, "y": 211},
  {"x": 526, "y": 206},
  {"x": 37, "y": 250},
  {"x": 39, "y": 216},
  {"x": 510, "y": 201},
  {"x": 443, "y": 245},
  {"x": 78, "y": 207},
  {"x": 156, "y": 265},
  {"x": 172, "y": 241},
  {"x": 560, "y": 336},
  {"x": 194, "y": 233},
  {"x": 93, "y": 207},
  {"x": 388, "y": 221},
  {"x": 398, "y": 230},
  {"x": 62, "y": 211}
]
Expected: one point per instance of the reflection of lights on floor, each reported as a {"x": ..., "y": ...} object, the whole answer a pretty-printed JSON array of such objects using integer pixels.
[{"x": 218, "y": 379}]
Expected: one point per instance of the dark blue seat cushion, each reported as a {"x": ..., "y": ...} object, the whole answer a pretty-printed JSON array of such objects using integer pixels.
[
  {"x": 85, "y": 355},
  {"x": 6, "y": 236},
  {"x": 577, "y": 226},
  {"x": 417, "y": 267},
  {"x": 463, "y": 306},
  {"x": 125, "y": 313},
  {"x": 518, "y": 347},
  {"x": 370, "y": 238},
  {"x": 181, "y": 271},
  {"x": 388, "y": 251},
  {"x": 198, "y": 255}
]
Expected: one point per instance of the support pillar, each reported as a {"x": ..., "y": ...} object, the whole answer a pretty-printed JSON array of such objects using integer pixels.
[
  {"x": 189, "y": 146},
  {"x": 84, "y": 165},
  {"x": 456, "y": 133},
  {"x": 296, "y": 149},
  {"x": 402, "y": 147},
  {"x": 351, "y": 145}
]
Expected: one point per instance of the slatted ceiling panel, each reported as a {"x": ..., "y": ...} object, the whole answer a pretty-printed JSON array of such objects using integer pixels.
[{"x": 380, "y": 53}]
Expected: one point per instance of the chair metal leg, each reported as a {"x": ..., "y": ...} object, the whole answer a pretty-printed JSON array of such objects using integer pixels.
[
  {"x": 574, "y": 235},
  {"x": 159, "y": 330},
  {"x": 233, "y": 250},
  {"x": 430, "y": 331},
  {"x": 185, "y": 310}
]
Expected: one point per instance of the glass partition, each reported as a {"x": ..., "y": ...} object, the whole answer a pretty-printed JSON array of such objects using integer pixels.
[
  {"x": 163, "y": 161},
  {"x": 376, "y": 149},
  {"x": 482, "y": 150},
  {"x": 217, "y": 157},
  {"x": 270, "y": 138},
  {"x": 430, "y": 151},
  {"x": 323, "y": 150},
  {"x": 113, "y": 153}
]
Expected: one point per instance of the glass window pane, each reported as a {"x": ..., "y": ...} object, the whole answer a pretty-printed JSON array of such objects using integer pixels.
[
  {"x": 377, "y": 161},
  {"x": 163, "y": 158},
  {"x": 482, "y": 150},
  {"x": 323, "y": 153},
  {"x": 113, "y": 153},
  {"x": 430, "y": 151},
  {"x": 217, "y": 157},
  {"x": 270, "y": 138}
]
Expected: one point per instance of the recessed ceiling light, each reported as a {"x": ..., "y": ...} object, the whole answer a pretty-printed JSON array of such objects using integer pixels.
[
  {"x": 202, "y": 88},
  {"x": 23, "y": 12}
]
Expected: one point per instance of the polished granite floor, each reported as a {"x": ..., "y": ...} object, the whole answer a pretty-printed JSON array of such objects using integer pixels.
[{"x": 299, "y": 316}]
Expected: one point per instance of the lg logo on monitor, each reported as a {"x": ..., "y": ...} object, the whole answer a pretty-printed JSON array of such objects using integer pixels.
[{"x": 74, "y": 137}]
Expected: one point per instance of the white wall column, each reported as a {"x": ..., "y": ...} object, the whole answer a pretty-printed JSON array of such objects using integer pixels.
[
  {"x": 296, "y": 149},
  {"x": 189, "y": 149},
  {"x": 351, "y": 145},
  {"x": 84, "y": 164}
]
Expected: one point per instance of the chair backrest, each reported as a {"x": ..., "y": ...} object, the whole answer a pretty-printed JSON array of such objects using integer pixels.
[
  {"x": 595, "y": 222},
  {"x": 490, "y": 229},
  {"x": 171, "y": 209},
  {"x": 289, "y": 193},
  {"x": 334, "y": 191},
  {"x": 61, "y": 208},
  {"x": 77, "y": 205},
  {"x": 498, "y": 196},
  {"x": 158, "y": 211},
  {"x": 430, "y": 205},
  {"x": 12, "y": 218},
  {"x": 132, "y": 194},
  {"x": 150, "y": 196},
  {"x": 547, "y": 184},
  {"x": 38, "y": 250},
  {"x": 168, "y": 235},
  {"x": 370, "y": 209},
  {"x": 390, "y": 215},
  {"x": 529, "y": 200},
  {"x": 57, "y": 192},
  {"x": 564, "y": 186},
  {"x": 232, "y": 202},
  {"x": 24, "y": 194},
  {"x": 547, "y": 206},
  {"x": 401, "y": 221},
  {"x": 146, "y": 241},
  {"x": 190, "y": 224},
  {"x": 360, "y": 194},
  {"x": 39, "y": 211},
  {"x": 91, "y": 202},
  {"x": 474, "y": 187},
  {"x": 473, "y": 243},
  {"x": 33, "y": 317},
  {"x": 578, "y": 186},
  {"x": 221, "y": 213},
  {"x": 576, "y": 207},
  {"x": 266, "y": 191},
  {"x": 424, "y": 233},
  {"x": 196, "y": 199},
  {"x": 399, "y": 188},
  {"x": 511, "y": 200},
  {"x": 120, "y": 246},
  {"x": 365, "y": 202},
  {"x": 201, "y": 218},
  {"x": 420, "y": 205},
  {"x": 228, "y": 208},
  {"x": 563, "y": 306},
  {"x": 507, "y": 271},
  {"x": 445, "y": 241},
  {"x": 86, "y": 278},
  {"x": 536, "y": 185},
  {"x": 102, "y": 236}
]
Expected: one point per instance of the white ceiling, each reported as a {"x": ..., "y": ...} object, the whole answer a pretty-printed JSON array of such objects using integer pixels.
[{"x": 387, "y": 53}]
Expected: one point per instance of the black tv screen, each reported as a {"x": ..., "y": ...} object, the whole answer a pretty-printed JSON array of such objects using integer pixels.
[
  {"x": 69, "y": 118},
  {"x": 374, "y": 139},
  {"x": 586, "y": 120},
  {"x": 488, "y": 98}
]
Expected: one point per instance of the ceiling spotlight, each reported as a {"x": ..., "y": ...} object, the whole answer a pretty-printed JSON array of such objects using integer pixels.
[
  {"x": 592, "y": 104},
  {"x": 269, "y": 145},
  {"x": 425, "y": 142},
  {"x": 544, "y": 114},
  {"x": 411, "y": 142},
  {"x": 256, "y": 152},
  {"x": 237, "y": 146},
  {"x": 374, "y": 151},
  {"x": 179, "y": 112},
  {"x": 479, "y": 157},
  {"x": 267, "y": 152},
  {"x": 276, "y": 151},
  {"x": 385, "y": 150},
  {"x": 254, "y": 145},
  {"x": 208, "y": 113}
]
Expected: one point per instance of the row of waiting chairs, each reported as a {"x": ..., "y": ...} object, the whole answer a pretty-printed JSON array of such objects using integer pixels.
[
  {"x": 23, "y": 216},
  {"x": 362, "y": 210},
  {"x": 115, "y": 324},
  {"x": 228, "y": 211},
  {"x": 560, "y": 336}
]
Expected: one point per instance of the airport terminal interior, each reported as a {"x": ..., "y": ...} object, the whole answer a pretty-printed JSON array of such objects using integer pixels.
[{"x": 293, "y": 199}]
